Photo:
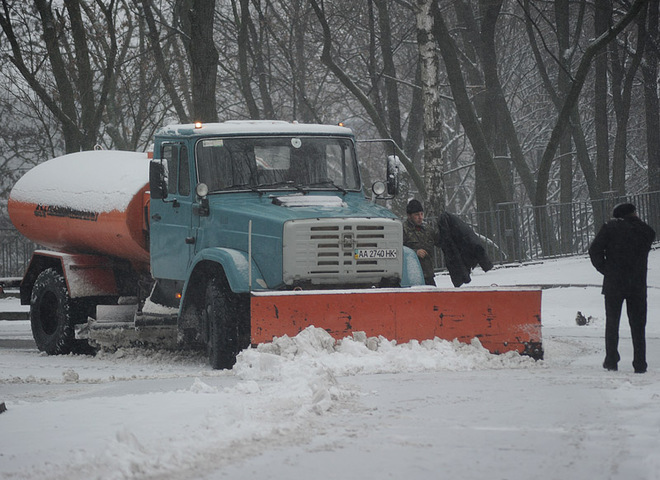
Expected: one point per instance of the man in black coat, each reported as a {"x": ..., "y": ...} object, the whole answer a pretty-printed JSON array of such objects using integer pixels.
[{"x": 620, "y": 252}]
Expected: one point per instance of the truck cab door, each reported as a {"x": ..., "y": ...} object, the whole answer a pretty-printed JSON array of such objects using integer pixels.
[{"x": 171, "y": 235}]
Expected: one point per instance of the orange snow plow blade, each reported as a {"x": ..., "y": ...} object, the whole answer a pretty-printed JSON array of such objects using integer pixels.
[{"x": 502, "y": 319}]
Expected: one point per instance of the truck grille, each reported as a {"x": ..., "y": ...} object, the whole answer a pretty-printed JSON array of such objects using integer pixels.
[{"x": 322, "y": 251}]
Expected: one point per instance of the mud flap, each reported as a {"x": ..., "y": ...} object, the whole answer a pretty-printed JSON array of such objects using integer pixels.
[{"x": 502, "y": 319}]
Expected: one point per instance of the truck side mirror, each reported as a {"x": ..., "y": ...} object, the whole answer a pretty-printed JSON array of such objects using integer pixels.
[
  {"x": 157, "y": 181},
  {"x": 392, "y": 175}
]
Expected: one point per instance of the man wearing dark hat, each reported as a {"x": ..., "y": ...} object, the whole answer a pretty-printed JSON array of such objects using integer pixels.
[
  {"x": 418, "y": 236},
  {"x": 620, "y": 252}
]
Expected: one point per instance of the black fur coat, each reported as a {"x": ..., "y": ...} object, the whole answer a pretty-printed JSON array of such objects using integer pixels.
[{"x": 462, "y": 248}]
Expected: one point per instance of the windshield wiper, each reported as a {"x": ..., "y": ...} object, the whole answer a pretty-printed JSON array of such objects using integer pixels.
[
  {"x": 329, "y": 183},
  {"x": 286, "y": 183},
  {"x": 241, "y": 186}
]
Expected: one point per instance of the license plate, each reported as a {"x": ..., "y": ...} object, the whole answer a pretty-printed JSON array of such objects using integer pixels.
[{"x": 376, "y": 253}]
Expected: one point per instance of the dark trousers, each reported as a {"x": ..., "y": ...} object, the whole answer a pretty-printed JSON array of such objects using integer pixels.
[{"x": 636, "y": 309}]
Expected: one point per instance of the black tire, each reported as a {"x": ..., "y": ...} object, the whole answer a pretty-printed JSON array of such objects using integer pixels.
[
  {"x": 222, "y": 327},
  {"x": 51, "y": 314}
]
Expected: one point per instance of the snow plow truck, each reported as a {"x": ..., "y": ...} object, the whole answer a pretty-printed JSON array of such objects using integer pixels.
[{"x": 232, "y": 234}]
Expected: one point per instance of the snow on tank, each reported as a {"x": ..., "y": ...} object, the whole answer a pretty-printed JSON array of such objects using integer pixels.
[
  {"x": 86, "y": 202},
  {"x": 98, "y": 181}
]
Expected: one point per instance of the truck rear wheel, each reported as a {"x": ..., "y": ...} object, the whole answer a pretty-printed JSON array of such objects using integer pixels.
[
  {"x": 222, "y": 326},
  {"x": 51, "y": 314}
]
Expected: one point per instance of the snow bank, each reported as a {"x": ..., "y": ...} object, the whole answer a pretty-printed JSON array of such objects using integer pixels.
[{"x": 314, "y": 348}]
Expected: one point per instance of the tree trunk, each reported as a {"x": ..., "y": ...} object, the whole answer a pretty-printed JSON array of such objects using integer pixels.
[
  {"x": 651, "y": 104},
  {"x": 429, "y": 61},
  {"x": 389, "y": 71},
  {"x": 304, "y": 111},
  {"x": 622, "y": 85},
  {"x": 261, "y": 72},
  {"x": 602, "y": 18},
  {"x": 467, "y": 29},
  {"x": 562, "y": 12},
  {"x": 464, "y": 107},
  {"x": 159, "y": 57},
  {"x": 203, "y": 61}
]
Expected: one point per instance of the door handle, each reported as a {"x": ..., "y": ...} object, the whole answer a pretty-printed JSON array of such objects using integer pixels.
[
  {"x": 156, "y": 217},
  {"x": 190, "y": 240}
]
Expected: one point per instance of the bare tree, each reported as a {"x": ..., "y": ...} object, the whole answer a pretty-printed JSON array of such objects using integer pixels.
[
  {"x": 328, "y": 59},
  {"x": 79, "y": 94},
  {"x": 557, "y": 91},
  {"x": 573, "y": 94},
  {"x": 651, "y": 103},
  {"x": 162, "y": 65},
  {"x": 139, "y": 103}
]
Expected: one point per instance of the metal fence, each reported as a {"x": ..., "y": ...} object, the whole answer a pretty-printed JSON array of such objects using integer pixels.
[
  {"x": 515, "y": 233},
  {"x": 15, "y": 253},
  {"x": 512, "y": 233}
]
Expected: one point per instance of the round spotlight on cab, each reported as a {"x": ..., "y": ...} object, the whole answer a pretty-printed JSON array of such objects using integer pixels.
[{"x": 378, "y": 188}]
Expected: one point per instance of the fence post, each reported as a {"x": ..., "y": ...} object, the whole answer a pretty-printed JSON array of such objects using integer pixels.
[{"x": 508, "y": 228}]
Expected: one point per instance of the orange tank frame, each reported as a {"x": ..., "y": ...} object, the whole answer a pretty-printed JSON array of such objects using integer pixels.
[{"x": 121, "y": 234}]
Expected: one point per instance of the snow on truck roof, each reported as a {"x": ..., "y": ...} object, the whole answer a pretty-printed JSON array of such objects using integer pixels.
[{"x": 253, "y": 127}]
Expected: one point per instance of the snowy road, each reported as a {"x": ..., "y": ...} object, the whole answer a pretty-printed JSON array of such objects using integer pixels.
[{"x": 302, "y": 409}]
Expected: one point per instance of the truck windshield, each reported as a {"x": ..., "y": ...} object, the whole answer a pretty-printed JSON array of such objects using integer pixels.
[{"x": 276, "y": 163}]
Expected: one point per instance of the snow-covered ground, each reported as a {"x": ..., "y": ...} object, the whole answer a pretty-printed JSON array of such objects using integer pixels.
[{"x": 301, "y": 408}]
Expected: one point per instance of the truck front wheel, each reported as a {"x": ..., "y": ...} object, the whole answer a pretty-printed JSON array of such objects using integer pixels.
[
  {"x": 50, "y": 314},
  {"x": 222, "y": 327}
]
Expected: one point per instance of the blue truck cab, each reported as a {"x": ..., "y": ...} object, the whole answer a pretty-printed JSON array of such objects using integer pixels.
[{"x": 246, "y": 206}]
